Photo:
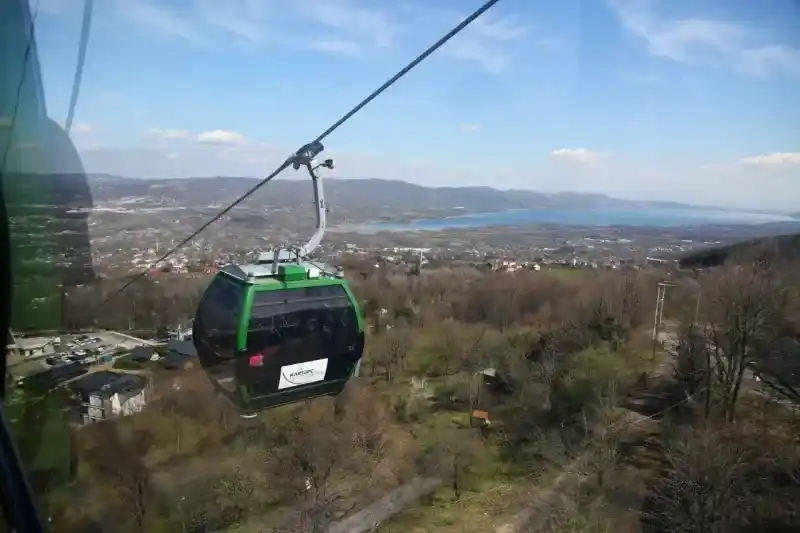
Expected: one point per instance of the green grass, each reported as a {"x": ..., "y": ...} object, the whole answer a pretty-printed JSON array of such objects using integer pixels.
[
  {"x": 127, "y": 363},
  {"x": 496, "y": 488},
  {"x": 487, "y": 489}
]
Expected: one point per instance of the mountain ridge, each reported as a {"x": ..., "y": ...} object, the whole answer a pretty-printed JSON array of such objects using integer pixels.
[{"x": 353, "y": 192}]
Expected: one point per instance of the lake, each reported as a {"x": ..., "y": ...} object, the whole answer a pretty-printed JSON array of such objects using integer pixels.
[{"x": 527, "y": 217}]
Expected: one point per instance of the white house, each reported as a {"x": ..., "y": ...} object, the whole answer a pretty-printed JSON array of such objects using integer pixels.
[{"x": 109, "y": 394}]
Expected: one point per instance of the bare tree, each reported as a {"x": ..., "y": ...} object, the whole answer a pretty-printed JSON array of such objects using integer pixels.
[
  {"x": 391, "y": 352},
  {"x": 607, "y": 431},
  {"x": 629, "y": 302},
  {"x": 777, "y": 358},
  {"x": 779, "y": 370},
  {"x": 547, "y": 370},
  {"x": 453, "y": 456},
  {"x": 746, "y": 304},
  {"x": 705, "y": 485},
  {"x": 118, "y": 462},
  {"x": 329, "y": 460},
  {"x": 693, "y": 365}
]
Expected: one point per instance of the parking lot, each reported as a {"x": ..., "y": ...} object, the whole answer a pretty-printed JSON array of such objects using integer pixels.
[
  {"x": 101, "y": 347},
  {"x": 89, "y": 348}
]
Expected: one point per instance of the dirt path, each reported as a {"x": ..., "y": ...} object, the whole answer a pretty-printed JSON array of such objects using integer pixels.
[
  {"x": 363, "y": 521},
  {"x": 544, "y": 498},
  {"x": 368, "y": 518}
]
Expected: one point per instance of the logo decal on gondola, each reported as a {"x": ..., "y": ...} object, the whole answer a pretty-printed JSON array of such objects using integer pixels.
[{"x": 302, "y": 373}]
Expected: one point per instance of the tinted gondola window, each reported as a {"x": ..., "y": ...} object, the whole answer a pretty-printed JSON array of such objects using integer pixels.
[
  {"x": 313, "y": 321},
  {"x": 218, "y": 316}
]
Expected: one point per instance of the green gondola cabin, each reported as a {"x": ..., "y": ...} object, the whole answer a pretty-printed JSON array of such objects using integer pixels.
[{"x": 269, "y": 335}]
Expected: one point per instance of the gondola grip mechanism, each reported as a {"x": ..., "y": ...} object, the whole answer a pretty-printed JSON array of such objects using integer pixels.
[
  {"x": 305, "y": 157},
  {"x": 306, "y": 154}
]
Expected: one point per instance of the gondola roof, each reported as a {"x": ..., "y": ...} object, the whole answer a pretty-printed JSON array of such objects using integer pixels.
[{"x": 262, "y": 273}]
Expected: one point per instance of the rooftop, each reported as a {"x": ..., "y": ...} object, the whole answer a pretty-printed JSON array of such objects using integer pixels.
[
  {"x": 182, "y": 348},
  {"x": 265, "y": 258},
  {"x": 30, "y": 343},
  {"x": 143, "y": 350},
  {"x": 107, "y": 383},
  {"x": 262, "y": 273}
]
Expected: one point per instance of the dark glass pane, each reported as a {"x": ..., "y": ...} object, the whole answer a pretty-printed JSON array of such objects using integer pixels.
[
  {"x": 217, "y": 318},
  {"x": 313, "y": 322},
  {"x": 305, "y": 294},
  {"x": 272, "y": 297}
]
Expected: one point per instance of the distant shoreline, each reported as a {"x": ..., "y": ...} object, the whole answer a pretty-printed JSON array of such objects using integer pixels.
[{"x": 666, "y": 218}]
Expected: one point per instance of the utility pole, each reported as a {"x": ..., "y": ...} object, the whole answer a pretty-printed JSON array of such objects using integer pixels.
[
  {"x": 659, "y": 312},
  {"x": 697, "y": 309},
  {"x": 65, "y": 325}
]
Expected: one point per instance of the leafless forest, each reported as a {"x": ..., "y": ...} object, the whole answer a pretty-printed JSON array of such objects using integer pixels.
[{"x": 596, "y": 427}]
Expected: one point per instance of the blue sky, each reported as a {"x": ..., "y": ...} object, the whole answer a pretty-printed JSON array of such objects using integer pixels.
[{"x": 696, "y": 101}]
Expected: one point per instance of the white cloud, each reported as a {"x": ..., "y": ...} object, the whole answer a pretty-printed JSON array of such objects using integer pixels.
[
  {"x": 706, "y": 41},
  {"x": 506, "y": 29},
  {"x": 577, "y": 155},
  {"x": 337, "y": 46},
  {"x": 372, "y": 25},
  {"x": 169, "y": 133},
  {"x": 353, "y": 24},
  {"x": 485, "y": 42},
  {"x": 344, "y": 27},
  {"x": 775, "y": 161},
  {"x": 244, "y": 19},
  {"x": 475, "y": 51},
  {"x": 83, "y": 127},
  {"x": 159, "y": 19},
  {"x": 469, "y": 128},
  {"x": 220, "y": 137}
]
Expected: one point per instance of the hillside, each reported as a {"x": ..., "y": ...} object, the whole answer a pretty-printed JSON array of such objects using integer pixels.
[
  {"x": 350, "y": 193},
  {"x": 779, "y": 247},
  {"x": 591, "y": 429}
]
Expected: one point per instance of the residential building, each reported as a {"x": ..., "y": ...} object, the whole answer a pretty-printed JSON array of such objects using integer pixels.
[
  {"x": 34, "y": 346},
  {"x": 107, "y": 394}
]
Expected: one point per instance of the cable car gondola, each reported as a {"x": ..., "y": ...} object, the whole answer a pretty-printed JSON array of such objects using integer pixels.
[{"x": 283, "y": 329}]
